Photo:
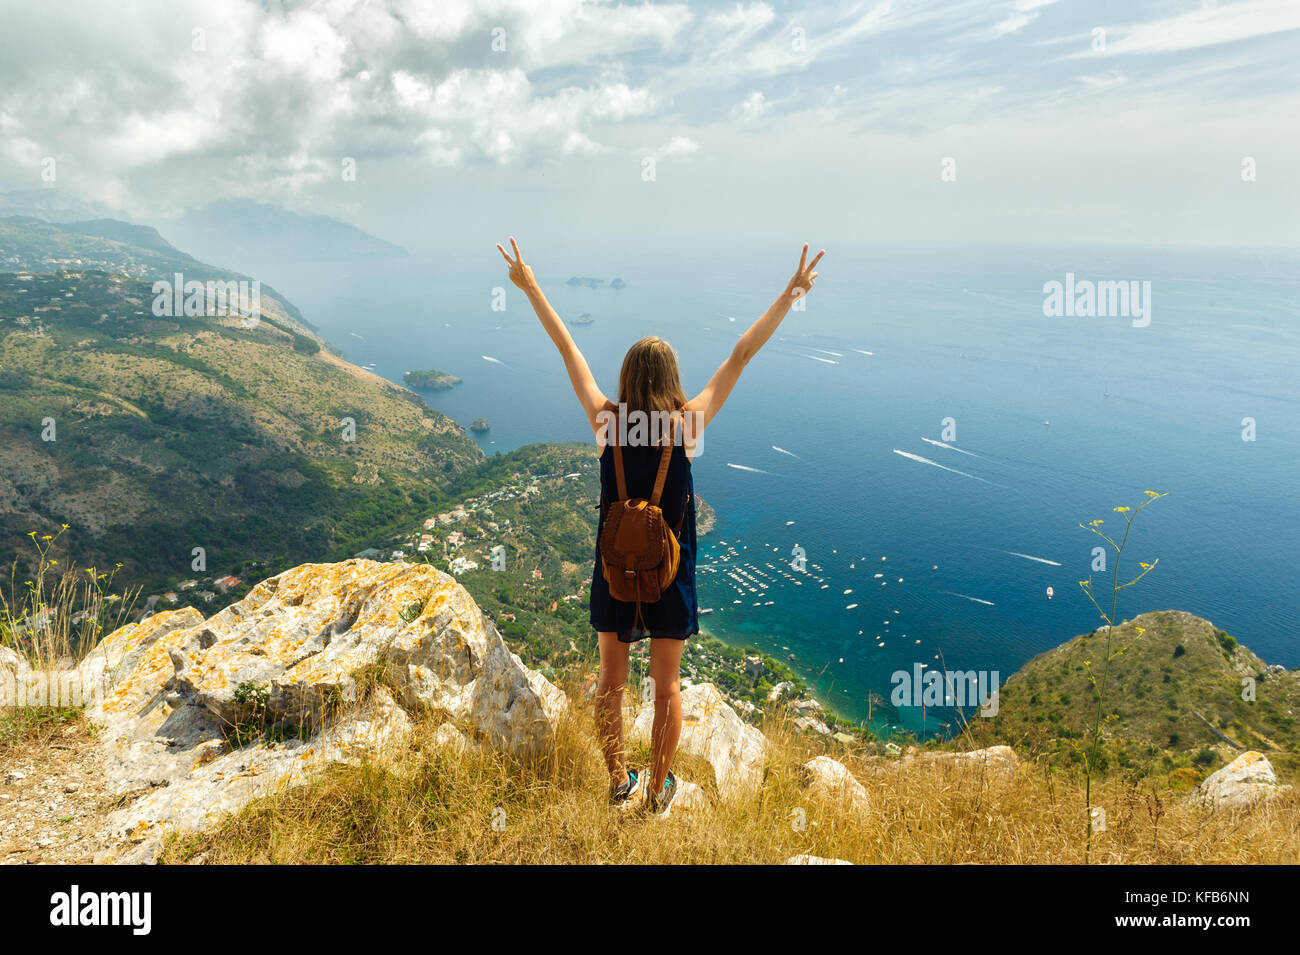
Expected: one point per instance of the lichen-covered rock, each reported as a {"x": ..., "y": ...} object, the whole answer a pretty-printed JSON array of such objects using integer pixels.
[
  {"x": 222, "y": 780},
  {"x": 301, "y": 646},
  {"x": 712, "y": 730},
  {"x": 828, "y": 777},
  {"x": 118, "y": 656},
  {"x": 1246, "y": 780}
]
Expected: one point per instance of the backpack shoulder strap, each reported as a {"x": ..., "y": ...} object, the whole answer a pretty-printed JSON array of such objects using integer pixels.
[
  {"x": 686, "y": 501},
  {"x": 618, "y": 469},
  {"x": 664, "y": 459}
]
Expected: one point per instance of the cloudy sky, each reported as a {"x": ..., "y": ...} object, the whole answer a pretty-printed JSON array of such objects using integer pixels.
[{"x": 1085, "y": 120}]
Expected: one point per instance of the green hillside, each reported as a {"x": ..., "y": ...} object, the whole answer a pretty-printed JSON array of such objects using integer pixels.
[
  {"x": 179, "y": 432},
  {"x": 1174, "y": 699},
  {"x": 119, "y": 248}
]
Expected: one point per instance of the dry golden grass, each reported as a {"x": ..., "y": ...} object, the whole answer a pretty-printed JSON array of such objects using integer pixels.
[{"x": 430, "y": 804}]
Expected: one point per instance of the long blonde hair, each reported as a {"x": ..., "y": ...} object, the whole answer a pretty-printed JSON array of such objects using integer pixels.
[{"x": 650, "y": 381}]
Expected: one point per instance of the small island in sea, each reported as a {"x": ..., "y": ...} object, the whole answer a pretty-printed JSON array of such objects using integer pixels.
[
  {"x": 430, "y": 380},
  {"x": 589, "y": 282},
  {"x": 479, "y": 425},
  {"x": 583, "y": 319}
]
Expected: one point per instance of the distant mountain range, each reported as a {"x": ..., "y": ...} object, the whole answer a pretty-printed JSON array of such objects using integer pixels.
[
  {"x": 238, "y": 234},
  {"x": 251, "y": 236},
  {"x": 50, "y": 205}
]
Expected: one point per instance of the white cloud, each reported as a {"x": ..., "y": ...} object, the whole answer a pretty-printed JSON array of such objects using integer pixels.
[
  {"x": 679, "y": 147},
  {"x": 1021, "y": 14},
  {"x": 753, "y": 107},
  {"x": 413, "y": 88},
  {"x": 1207, "y": 26}
]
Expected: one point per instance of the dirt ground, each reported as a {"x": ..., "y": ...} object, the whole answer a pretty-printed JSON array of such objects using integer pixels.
[{"x": 52, "y": 798}]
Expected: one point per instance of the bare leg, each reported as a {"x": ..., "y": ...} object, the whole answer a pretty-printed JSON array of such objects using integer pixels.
[
  {"x": 665, "y": 670},
  {"x": 609, "y": 703}
]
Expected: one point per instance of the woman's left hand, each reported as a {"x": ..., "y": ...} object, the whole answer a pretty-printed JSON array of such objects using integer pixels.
[
  {"x": 802, "y": 282},
  {"x": 520, "y": 273}
]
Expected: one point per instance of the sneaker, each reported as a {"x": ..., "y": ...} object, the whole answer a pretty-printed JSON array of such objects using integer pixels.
[
  {"x": 621, "y": 796},
  {"x": 662, "y": 803}
]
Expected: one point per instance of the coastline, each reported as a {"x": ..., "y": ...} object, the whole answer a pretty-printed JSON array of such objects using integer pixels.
[
  {"x": 706, "y": 521},
  {"x": 810, "y": 693}
]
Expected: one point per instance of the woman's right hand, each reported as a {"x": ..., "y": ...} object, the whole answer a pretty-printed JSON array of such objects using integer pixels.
[
  {"x": 520, "y": 273},
  {"x": 802, "y": 282}
]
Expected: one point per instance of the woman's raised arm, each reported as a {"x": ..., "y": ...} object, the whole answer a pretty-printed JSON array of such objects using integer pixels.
[
  {"x": 708, "y": 402},
  {"x": 584, "y": 383}
]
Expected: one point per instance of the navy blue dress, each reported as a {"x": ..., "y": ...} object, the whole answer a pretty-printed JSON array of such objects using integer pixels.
[{"x": 674, "y": 614}]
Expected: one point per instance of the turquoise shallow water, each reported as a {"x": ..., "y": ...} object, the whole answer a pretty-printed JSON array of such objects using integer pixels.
[{"x": 1057, "y": 420}]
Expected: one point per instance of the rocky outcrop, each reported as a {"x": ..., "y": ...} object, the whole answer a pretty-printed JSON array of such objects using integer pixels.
[
  {"x": 223, "y": 780},
  {"x": 328, "y": 658},
  {"x": 828, "y": 777},
  {"x": 1245, "y": 781},
  {"x": 713, "y": 731}
]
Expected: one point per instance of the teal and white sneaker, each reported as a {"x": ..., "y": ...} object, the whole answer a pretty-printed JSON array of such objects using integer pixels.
[
  {"x": 620, "y": 797},
  {"x": 661, "y": 804}
]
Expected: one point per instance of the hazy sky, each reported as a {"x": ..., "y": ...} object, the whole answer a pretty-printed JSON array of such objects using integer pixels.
[{"x": 1064, "y": 119}]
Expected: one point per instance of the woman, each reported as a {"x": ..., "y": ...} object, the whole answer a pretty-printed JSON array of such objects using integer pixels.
[{"x": 649, "y": 384}]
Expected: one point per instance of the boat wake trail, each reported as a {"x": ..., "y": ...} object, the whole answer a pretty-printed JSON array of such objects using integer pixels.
[
  {"x": 495, "y": 361},
  {"x": 953, "y": 593},
  {"x": 1041, "y": 560},
  {"x": 746, "y": 467},
  {"x": 784, "y": 451},
  {"x": 950, "y": 447},
  {"x": 917, "y": 457}
]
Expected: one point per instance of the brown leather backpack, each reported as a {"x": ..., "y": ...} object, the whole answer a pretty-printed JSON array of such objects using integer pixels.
[{"x": 639, "y": 553}]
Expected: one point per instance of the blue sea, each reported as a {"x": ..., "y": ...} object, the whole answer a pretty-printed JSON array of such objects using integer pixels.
[{"x": 948, "y": 551}]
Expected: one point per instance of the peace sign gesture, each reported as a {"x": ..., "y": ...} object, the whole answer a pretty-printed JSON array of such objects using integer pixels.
[
  {"x": 520, "y": 273},
  {"x": 802, "y": 282}
]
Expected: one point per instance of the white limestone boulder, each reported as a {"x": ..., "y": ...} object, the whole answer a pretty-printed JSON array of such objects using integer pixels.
[
  {"x": 1245, "y": 781},
  {"x": 828, "y": 777},
  {"x": 713, "y": 731},
  {"x": 309, "y": 642},
  {"x": 689, "y": 798}
]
